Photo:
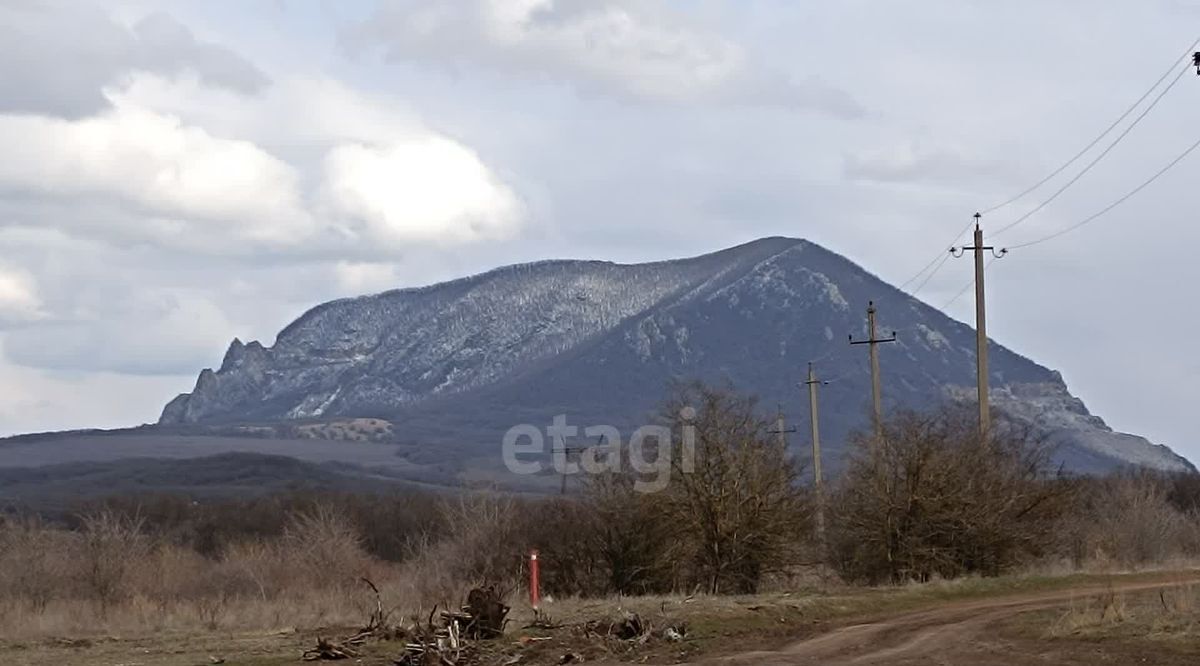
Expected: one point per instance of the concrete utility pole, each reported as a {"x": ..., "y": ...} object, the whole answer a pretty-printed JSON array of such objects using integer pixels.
[
  {"x": 876, "y": 391},
  {"x": 567, "y": 451},
  {"x": 981, "y": 339},
  {"x": 781, "y": 428},
  {"x": 813, "y": 383}
]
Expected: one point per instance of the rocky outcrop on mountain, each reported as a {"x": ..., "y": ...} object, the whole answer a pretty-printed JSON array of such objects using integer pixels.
[{"x": 454, "y": 365}]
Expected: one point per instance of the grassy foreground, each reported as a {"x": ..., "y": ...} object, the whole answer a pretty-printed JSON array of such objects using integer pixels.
[{"x": 716, "y": 625}]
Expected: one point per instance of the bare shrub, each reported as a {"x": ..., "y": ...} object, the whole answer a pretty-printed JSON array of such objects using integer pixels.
[
  {"x": 325, "y": 547},
  {"x": 931, "y": 500},
  {"x": 168, "y": 574},
  {"x": 484, "y": 531},
  {"x": 261, "y": 564},
  {"x": 1130, "y": 520},
  {"x": 430, "y": 577},
  {"x": 736, "y": 508},
  {"x": 111, "y": 547},
  {"x": 33, "y": 562},
  {"x": 629, "y": 539}
]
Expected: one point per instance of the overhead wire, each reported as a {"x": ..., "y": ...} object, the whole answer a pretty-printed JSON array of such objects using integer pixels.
[
  {"x": 938, "y": 261},
  {"x": 1187, "y": 53},
  {"x": 1128, "y": 195},
  {"x": 967, "y": 286},
  {"x": 945, "y": 258},
  {"x": 931, "y": 269},
  {"x": 939, "y": 258},
  {"x": 1094, "y": 162}
]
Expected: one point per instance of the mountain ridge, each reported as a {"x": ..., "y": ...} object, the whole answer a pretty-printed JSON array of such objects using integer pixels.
[{"x": 460, "y": 359}]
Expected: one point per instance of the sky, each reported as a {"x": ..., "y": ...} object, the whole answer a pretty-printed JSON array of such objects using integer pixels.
[{"x": 174, "y": 174}]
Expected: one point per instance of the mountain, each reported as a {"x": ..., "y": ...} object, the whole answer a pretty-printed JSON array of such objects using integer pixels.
[{"x": 453, "y": 366}]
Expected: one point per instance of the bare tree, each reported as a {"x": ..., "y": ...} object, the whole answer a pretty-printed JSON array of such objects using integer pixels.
[
  {"x": 733, "y": 500},
  {"x": 929, "y": 498}
]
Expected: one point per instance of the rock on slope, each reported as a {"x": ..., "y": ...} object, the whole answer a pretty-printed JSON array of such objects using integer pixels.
[{"x": 456, "y": 364}]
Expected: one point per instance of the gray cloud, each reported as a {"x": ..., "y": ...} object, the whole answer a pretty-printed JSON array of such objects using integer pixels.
[
  {"x": 633, "y": 50},
  {"x": 675, "y": 135},
  {"x": 919, "y": 163},
  {"x": 59, "y": 55},
  {"x": 165, "y": 45}
]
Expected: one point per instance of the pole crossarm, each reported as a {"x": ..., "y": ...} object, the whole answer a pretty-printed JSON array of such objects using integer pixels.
[
  {"x": 981, "y": 339},
  {"x": 876, "y": 391}
]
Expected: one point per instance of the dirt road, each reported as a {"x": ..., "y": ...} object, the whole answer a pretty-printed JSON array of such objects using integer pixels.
[{"x": 961, "y": 633}]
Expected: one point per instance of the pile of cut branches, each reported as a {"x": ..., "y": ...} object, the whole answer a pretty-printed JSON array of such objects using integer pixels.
[
  {"x": 483, "y": 617},
  {"x": 378, "y": 628}
]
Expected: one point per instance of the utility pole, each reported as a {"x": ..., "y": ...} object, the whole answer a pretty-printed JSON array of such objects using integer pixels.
[
  {"x": 814, "y": 417},
  {"x": 981, "y": 339},
  {"x": 781, "y": 429},
  {"x": 567, "y": 451},
  {"x": 876, "y": 391}
]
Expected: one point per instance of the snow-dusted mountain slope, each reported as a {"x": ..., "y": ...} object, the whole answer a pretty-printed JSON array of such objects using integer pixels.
[{"x": 457, "y": 364}]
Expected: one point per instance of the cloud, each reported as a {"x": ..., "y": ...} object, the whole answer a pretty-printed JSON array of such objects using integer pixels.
[
  {"x": 179, "y": 176},
  {"x": 394, "y": 184},
  {"x": 19, "y": 300},
  {"x": 356, "y": 278},
  {"x": 639, "y": 50},
  {"x": 915, "y": 161},
  {"x": 158, "y": 333},
  {"x": 33, "y": 400},
  {"x": 165, "y": 46},
  {"x": 428, "y": 190},
  {"x": 59, "y": 54}
]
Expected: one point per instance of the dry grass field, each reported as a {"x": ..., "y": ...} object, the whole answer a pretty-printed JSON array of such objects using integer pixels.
[
  {"x": 973, "y": 559},
  {"x": 1025, "y": 619}
]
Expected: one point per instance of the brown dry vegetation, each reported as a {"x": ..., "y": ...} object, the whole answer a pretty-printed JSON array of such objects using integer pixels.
[
  {"x": 1160, "y": 625},
  {"x": 926, "y": 503}
]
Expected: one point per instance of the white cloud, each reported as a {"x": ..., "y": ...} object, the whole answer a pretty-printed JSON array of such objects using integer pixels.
[
  {"x": 425, "y": 190},
  {"x": 637, "y": 49},
  {"x": 361, "y": 175},
  {"x": 161, "y": 168},
  {"x": 356, "y": 278},
  {"x": 19, "y": 300},
  {"x": 297, "y": 111}
]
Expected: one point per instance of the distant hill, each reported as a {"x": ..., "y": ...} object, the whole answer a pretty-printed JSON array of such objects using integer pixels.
[
  {"x": 65, "y": 485},
  {"x": 452, "y": 366}
]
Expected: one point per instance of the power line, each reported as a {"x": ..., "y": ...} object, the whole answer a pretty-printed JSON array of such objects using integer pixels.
[
  {"x": 967, "y": 286},
  {"x": 1118, "y": 202},
  {"x": 1099, "y": 157},
  {"x": 927, "y": 272},
  {"x": 1186, "y": 54},
  {"x": 941, "y": 264},
  {"x": 941, "y": 256}
]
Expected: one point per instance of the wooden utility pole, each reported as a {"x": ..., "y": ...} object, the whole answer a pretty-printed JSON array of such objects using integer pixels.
[
  {"x": 876, "y": 391},
  {"x": 981, "y": 339},
  {"x": 814, "y": 417}
]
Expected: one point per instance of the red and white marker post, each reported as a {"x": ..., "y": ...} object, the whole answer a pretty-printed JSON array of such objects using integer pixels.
[{"x": 535, "y": 595}]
